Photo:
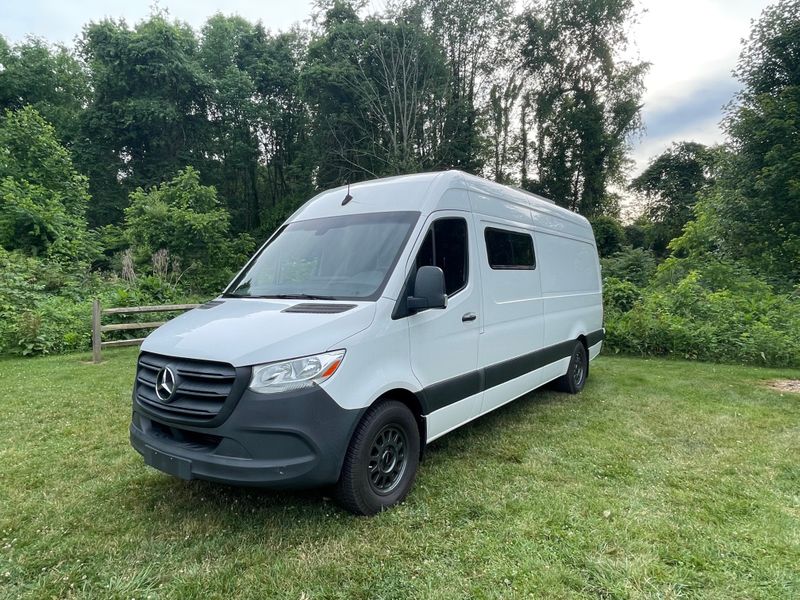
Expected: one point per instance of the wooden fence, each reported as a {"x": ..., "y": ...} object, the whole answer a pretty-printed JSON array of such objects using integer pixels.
[{"x": 98, "y": 328}]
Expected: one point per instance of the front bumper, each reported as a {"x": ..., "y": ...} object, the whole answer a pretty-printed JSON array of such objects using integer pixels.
[{"x": 287, "y": 440}]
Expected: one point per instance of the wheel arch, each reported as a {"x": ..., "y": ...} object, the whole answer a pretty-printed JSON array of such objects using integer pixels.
[
  {"x": 585, "y": 343},
  {"x": 582, "y": 339},
  {"x": 414, "y": 404}
]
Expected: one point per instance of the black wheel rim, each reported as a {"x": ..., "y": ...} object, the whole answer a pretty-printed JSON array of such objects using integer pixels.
[
  {"x": 387, "y": 459},
  {"x": 580, "y": 368}
]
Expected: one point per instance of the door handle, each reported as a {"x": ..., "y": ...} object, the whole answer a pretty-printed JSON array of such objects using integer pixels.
[{"x": 468, "y": 317}]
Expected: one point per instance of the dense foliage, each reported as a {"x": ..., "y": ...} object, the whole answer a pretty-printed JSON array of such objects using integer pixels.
[
  {"x": 671, "y": 185},
  {"x": 145, "y": 164},
  {"x": 717, "y": 312},
  {"x": 184, "y": 219},
  {"x": 42, "y": 197}
]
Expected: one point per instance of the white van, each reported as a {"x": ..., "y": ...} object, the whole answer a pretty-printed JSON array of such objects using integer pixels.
[{"x": 375, "y": 320}]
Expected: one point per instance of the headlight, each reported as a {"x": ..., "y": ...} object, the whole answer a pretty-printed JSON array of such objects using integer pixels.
[{"x": 295, "y": 374}]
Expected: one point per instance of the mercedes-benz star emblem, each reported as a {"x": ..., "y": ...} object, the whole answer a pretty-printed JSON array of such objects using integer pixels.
[{"x": 165, "y": 384}]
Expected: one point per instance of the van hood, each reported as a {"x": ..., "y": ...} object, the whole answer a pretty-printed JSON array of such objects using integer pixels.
[{"x": 250, "y": 331}]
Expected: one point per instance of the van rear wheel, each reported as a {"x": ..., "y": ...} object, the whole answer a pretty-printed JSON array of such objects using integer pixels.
[
  {"x": 574, "y": 379},
  {"x": 381, "y": 461}
]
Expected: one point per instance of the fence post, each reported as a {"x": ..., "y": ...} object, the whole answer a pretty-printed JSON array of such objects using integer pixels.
[{"x": 96, "y": 331}]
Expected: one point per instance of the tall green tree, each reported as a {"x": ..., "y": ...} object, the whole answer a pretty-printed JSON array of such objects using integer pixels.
[
  {"x": 258, "y": 119},
  {"x": 586, "y": 98},
  {"x": 49, "y": 78},
  {"x": 284, "y": 133},
  {"x": 42, "y": 197},
  {"x": 757, "y": 203},
  {"x": 671, "y": 185},
  {"x": 229, "y": 49},
  {"x": 503, "y": 97},
  {"x": 374, "y": 89},
  {"x": 148, "y": 116},
  {"x": 473, "y": 35}
]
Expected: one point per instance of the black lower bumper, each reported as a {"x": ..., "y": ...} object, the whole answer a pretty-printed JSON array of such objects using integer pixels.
[{"x": 295, "y": 440}]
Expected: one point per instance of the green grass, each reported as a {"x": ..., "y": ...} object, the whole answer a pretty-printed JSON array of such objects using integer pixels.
[{"x": 662, "y": 479}]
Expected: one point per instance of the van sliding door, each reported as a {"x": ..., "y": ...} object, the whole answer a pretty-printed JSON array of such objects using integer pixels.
[{"x": 513, "y": 325}]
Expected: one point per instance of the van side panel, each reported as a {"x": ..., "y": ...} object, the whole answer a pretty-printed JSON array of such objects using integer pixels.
[{"x": 570, "y": 287}]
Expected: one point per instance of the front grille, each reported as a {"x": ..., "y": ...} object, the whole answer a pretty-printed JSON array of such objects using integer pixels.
[
  {"x": 191, "y": 440},
  {"x": 200, "y": 388}
]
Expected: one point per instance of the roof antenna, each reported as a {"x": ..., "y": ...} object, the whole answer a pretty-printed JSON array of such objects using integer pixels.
[{"x": 348, "y": 197}]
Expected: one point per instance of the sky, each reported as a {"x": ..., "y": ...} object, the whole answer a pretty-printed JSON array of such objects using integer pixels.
[{"x": 693, "y": 46}]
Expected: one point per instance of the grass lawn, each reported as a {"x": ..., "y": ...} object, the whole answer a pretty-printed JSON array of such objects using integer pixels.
[{"x": 662, "y": 479}]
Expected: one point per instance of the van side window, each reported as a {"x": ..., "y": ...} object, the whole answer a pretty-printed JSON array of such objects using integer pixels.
[
  {"x": 509, "y": 249},
  {"x": 445, "y": 247}
]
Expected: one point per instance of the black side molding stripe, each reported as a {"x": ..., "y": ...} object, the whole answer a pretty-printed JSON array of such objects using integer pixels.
[
  {"x": 452, "y": 390},
  {"x": 595, "y": 337},
  {"x": 457, "y": 388},
  {"x": 516, "y": 367}
]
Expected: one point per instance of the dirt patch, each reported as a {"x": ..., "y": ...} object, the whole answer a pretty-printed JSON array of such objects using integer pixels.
[{"x": 785, "y": 385}]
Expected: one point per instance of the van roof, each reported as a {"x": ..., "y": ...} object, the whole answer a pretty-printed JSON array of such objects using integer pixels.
[{"x": 411, "y": 192}]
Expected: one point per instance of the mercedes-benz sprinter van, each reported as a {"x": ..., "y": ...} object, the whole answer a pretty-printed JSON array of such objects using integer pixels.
[{"x": 376, "y": 319}]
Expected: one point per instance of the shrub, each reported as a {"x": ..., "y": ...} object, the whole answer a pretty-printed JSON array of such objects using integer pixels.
[
  {"x": 42, "y": 197},
  {"x": 55, "y": 324},
  {"x": 619, "y": 296},
  {"x": 691, "y": 319},
  {"x": 46, "y": 308},
  {"x": 186, "y": 219},
  {"x": 631, "y": 264},
  {"x": 609, "y": 234}
]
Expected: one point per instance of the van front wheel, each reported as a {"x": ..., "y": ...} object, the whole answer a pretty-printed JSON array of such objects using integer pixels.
[
  {"x": 381, "y": 461},
  {"x": 574, "y": 379}
]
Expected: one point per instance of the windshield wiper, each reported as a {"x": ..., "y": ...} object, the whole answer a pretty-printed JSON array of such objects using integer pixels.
[{"x": 299, "y": 297}]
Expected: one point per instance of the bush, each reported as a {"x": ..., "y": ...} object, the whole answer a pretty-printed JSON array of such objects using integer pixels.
[
  {"x": 691, "y": 319},
  {"x": 42, "y": 197},
  {"x": 609, "y": 234},
  {"x": 619, "y": 296},
  {"x": 55, "y": 324},
  {"x": 45, "y": 308},
  {"x": 631, "y": 264},
  {"x": 186, "y": 219}
]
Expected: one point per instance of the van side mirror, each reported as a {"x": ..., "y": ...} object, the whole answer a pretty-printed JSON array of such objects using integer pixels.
[{"x": 428, "y": 290}]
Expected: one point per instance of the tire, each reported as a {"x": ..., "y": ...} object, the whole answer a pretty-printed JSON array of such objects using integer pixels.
[
  {"x": 381, "y": 461},
  {"x": 574, "y": 379}
]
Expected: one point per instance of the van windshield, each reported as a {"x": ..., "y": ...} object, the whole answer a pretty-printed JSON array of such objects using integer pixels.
[{"x": 334, "y": 258}]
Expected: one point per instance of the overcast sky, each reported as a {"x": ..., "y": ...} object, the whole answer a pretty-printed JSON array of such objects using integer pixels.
[{"x": 692, "y": 44}]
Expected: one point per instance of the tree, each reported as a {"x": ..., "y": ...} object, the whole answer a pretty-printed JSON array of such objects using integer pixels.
[
  {"x": 258, "y": 120},
  {"x": 586, "y": 98},
  {"x": 671, "y": 185},
  {"x": 756, "y": 206},
  {"x": 374, "y": 89},
  {"x": 42, "y": 197},
  {"x": 186, "y": 219},
  {"x": 609, "y": 234},
  {"x": 502, "y": 98},
  {"x": 473, "y": 35},
  {"x": 148, "y": 116},
  {"x": 49, "y": 78},
  {"x": 229, "y": 50}
]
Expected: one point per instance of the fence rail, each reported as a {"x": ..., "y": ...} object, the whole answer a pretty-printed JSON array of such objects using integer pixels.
[{"x": 98, "y": 328}]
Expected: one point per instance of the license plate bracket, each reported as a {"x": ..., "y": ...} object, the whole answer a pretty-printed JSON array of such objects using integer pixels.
[{"x": 173, "y": 465}]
